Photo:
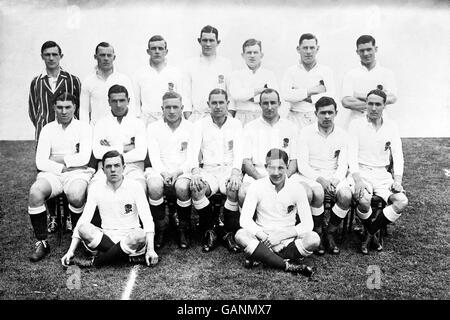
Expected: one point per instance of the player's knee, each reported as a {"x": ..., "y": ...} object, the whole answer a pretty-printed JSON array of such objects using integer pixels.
[
  {"x": 318, "y": 195},
  {"x": 365, "y": 200},
  {"x": 86, "y": 231},
  {"x": 155, "y": 188},
  {"x": 76, "y": 197},
  {"x": 37, "y": 195},
  {"x": 400, "y": 202},
  {"x": 143, "y": 184},
  {"x": 242, "y": 193},
  {"x": 241, "y": 237},
  {"x": 311, "y": 241},
  {"x": 344, "y": 197},
  {"x": 182, "y": 189},
  {"x": 136, "y": 239}
]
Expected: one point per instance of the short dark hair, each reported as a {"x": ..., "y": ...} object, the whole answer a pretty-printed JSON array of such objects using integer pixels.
[
  {"x": 172, "y": 95},
  {"x": 66, "y": 96},
  {"x": 117, "y": 88},
  {"x": 325, "y": 101},
  {"x": 365, "y": 38},
  {"x": 379, "y": 93},
  {"x": 103, "y": 45},
  {"x": 157, "y": 38},
  {"x": 112, "y": 154},
  {"x": 277, "y": 154},
  {"x": 218, "y": 91},
  {"x": 50, "y": 44},
  {"x": 251, "y": 42},
  {"x": 268, "y": 91},
  {"x": 307, "y": 36},
  {"x": 209, "y": 29}
]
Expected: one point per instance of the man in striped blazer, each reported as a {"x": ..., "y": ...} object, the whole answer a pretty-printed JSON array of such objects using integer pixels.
[{"x": 45, "y": 87}]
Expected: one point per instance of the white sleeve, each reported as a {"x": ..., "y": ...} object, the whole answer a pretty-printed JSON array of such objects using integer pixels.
[
  {"x": 347, "y": 86},
  {"x": 154, "y": 152},
  {"x": 353, "y": 147},
  {"x": 289, "y": 94},
  {"x": 240, "y": 90},
  {"x": 238, "y": 148},
  {"x": 43, "y": 153},
  {"x": 328, "y": 80},
  {"x": 397, "y": 153},
  {"x": 342, "y": 168},
  {"x": 304, "y": 212},
  {"x": 248, "y": 210},
  {"x": 140, "y": 144},
  {"x": 303, "y": 159},
  {"x": 143, "y": 209},
  {"x": 97, "y": 148},
  {"x": 88, "y": 211},
  {"x": 194, "y": 147}
]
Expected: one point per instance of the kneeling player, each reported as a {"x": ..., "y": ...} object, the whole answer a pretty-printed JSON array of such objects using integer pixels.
[
  {"x": 168, "y": 140},
  {"x": 62, "y": 156},
  {"x": 273, "y": 238},
  {"x": 374, "y": 141},
  {"x": 121, "y": 203},
  {"x": 218, "y": 139}
]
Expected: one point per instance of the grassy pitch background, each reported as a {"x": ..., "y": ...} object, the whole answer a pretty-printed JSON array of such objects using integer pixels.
[{"x": 414, "y": 263}]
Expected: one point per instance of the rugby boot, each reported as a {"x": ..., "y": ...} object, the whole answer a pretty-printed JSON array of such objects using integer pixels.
[
  {"x": 367, "y": 238},
  {"x": 42, "y": 249},
  {"x": 230, "y": 243},
  {"x": 295, "y": 267},
  {"x": 209, "y": 241},
  {"x": 334, "y": 249}
]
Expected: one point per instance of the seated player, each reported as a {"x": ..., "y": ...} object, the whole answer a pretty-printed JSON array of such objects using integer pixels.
[
  {"x": 373, "y": 140},
  {"x": 323, "y": 163},
  {"x": 168, "y": 140},
  {"x": 267, "y": 132},
  {"x": 121, "y": 203},
  {"x": 123, "y": 132},
  {"x": 217, "y": 137},
  {"x": 62, "y": 155},
  {"x": 269, "y": 232}
]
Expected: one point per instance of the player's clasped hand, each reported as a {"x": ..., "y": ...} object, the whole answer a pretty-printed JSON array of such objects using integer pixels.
[
  {"x": 360, "y": 186},
  {"x": 396, "y": 187},
  {"x": 151, "y": 258},
  {"x": 65, "y": 261},
  {"x": 104, "y": 143},
  {"x": 197, "y": 182}
]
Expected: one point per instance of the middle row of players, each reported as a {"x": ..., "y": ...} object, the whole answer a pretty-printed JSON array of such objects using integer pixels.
[{"x": 199, "y": 159}]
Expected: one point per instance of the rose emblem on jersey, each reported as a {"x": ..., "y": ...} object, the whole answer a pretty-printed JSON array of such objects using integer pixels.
[
  {"x": 184, "y": 145},
  {"x": 77, "y": 148},
  {"x": 285, "y": 142},
  {"x": 336, "y": 153},
  {"x": 128, "y": 208},
  {"x": 221, "y": 78},
  {"x": 387, "y": 146},
  {"x": 230, "y": 145},
  {"x": 171, "y": 86}
]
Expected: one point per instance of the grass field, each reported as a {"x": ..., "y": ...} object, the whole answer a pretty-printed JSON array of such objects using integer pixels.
[{"x": 415, "y": 263}]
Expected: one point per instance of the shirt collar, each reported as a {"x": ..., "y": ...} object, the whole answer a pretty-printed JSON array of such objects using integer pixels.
[
  {"x": 377, "y": 66},
  {"x": 44, "y": 73}
]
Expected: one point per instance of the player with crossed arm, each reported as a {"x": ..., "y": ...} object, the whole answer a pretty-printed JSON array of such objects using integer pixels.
[
  {"x": 304, "y": 83},
  {"x": 247, "y": 84},
  {"x": 269, "y": 231},
  {"x": 168, "y": 140},
  {"x": 121, "y": 203},
  {"x": 373, "y": 139},
  {"x": 368, "y": 76},
  {"x": 218, "y": 138},
  {"x": 323, "y": 162},
  {"x": 155, "y": 79},
  {"x": 123, "y": 132},
  {"x": 62, "y": 154}
]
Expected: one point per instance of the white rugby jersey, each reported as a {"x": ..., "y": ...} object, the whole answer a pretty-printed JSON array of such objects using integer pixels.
[
  {"x": 120, "y": 134},
  {"x": 219, "y": 146},
  {"x": 297, "y": 76},
  {"x": 243, "y": 84},
  {"x": 275, "y": 210},
  {"x": 151, "y": 85},
  {"x": 260, "y": 137},
  {"x": 202, "y": 76},
  {"x": 321, "y": 156},
  {"x": 361, "y": 80},
  {"x": 369, "y": 147},
  {"x": 119, "y": 209},
  {"x": 167, "y": 149},
  {"x": 94, "y": 95},
  {"x": 74, "y": 143}
]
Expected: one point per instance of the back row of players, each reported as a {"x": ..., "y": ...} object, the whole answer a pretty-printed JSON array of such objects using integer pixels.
[{"x": 269, "y": 149}]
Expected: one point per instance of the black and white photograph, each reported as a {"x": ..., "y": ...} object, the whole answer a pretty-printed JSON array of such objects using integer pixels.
[{"x": 224, "y": 155}]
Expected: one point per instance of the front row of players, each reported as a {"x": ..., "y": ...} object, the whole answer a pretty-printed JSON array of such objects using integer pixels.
[{"x": 286, "y": 185}]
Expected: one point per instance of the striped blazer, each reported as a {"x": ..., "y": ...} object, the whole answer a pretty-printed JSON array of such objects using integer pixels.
[{"x": 41, "y": 98}]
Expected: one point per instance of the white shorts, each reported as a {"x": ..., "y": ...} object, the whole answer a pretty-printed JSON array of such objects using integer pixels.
[
  {"x": 61, "y": 182},
  {"x": 377, "y": 178},
  {"x": 217, "y": 177},
  {"x": 261, "y": 170},
  {"x": 245, "y": 116},
  {"x": 134, "y": 170},
  {"x": 151, "y": 173},
  {"x": 312, "y": 183},
  {"x": 302, "y": 119},
  {"x": 115, "y": 235}
]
